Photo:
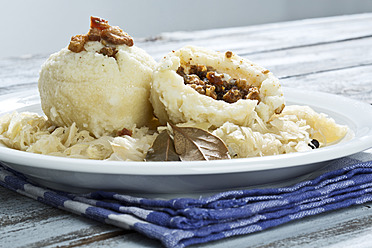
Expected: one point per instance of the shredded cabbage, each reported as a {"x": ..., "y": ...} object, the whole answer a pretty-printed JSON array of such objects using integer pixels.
[{"x": 290, "y": 131}]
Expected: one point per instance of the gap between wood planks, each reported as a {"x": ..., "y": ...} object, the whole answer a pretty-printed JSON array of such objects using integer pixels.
[
  {"x": 181, "y": 36},
  {"x": 338, "y": 232},
  {"x": 100, "y": 237},
  {"x": 306, "y": 45},
  {"x": 17, "y": 87},
  {"x": 327, "y": 70}
]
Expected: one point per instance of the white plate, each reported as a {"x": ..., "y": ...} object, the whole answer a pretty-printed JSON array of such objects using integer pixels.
[{"x": 77, "y": 175}]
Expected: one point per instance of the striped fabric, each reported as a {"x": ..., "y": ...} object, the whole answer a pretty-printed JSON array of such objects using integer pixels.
[{"x": 181, "y": 222}]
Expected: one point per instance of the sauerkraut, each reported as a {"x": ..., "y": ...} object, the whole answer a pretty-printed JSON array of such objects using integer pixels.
[
  {"x": 291, "y": 131},
  {"x": 33, "y": 133},
  {"x": 133, "y": 148}
]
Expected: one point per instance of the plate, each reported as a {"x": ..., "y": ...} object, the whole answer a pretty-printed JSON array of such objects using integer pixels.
[{"x": 80, "y": 175}]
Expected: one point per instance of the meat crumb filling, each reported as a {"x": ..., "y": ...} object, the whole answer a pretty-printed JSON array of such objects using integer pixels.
[
  {"x": 207, "y": 81},
  {"x": 101, "y": 31}
]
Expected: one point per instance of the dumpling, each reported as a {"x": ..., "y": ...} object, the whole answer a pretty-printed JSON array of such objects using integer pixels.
[
  {"x": 101, "y": 82},
  {"x": 197, "y": 85}
]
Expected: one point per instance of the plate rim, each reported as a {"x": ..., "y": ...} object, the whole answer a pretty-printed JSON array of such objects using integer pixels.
[{"x": 357, "y": 144}]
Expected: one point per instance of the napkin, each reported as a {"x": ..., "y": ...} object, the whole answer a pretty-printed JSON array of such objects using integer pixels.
[{"x": 180, "y": 222}]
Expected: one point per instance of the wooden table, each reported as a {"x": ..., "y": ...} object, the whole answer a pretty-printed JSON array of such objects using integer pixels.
[{"x": 328, "y": 54}]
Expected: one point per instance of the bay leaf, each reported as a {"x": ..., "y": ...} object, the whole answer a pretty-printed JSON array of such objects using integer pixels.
[
  {"x": 197, "y": 144},
  {"x": 162, "y": 149}
]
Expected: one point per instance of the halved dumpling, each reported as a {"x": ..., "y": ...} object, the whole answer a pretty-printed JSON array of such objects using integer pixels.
[{"x": 197, "y": 85}]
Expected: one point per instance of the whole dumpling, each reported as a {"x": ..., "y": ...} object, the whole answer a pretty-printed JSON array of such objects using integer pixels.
[
  {"x": 101, "y": 85},
  {"x": 181, "y": 91}
]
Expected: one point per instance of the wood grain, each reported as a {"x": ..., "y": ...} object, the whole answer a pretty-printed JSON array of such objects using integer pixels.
[
  {"x": 328, "y": 54},
  {"x": 39, "y": 225},
  {"x": 267, "y": 38},
  {"x": 353, "y": 82}
]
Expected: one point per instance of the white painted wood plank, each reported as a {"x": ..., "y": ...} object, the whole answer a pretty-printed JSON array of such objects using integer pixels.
[
  {"x": 267, "y": 37},
  {"x": 318, "y": 58},
  {"x": 20, "y": 70},
  {"x": 351, "y": 24},
  {"x": 131, "y": 240},
  {"x": 25, "y": 222},
  {"x": 353, "y": 82}
]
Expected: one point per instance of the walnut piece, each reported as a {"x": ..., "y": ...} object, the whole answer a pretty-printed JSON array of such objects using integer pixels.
[
  {"x": 253, "y": 94},
  {"x": 108, "y": 51},
  {"x": 101, "y": 31},
  {"x": 116, "y": 36},
  {"x": 77, "y": 43}
]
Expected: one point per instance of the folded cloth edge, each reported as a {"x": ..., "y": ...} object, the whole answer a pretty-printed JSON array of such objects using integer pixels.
[{"x": 176, "y": 237}]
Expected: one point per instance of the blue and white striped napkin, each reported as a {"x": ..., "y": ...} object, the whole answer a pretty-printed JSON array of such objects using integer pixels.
[{"x": 181, "y": 222}]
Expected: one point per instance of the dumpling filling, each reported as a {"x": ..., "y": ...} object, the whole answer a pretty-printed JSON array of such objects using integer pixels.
[{"x": 220, "y": 86}]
